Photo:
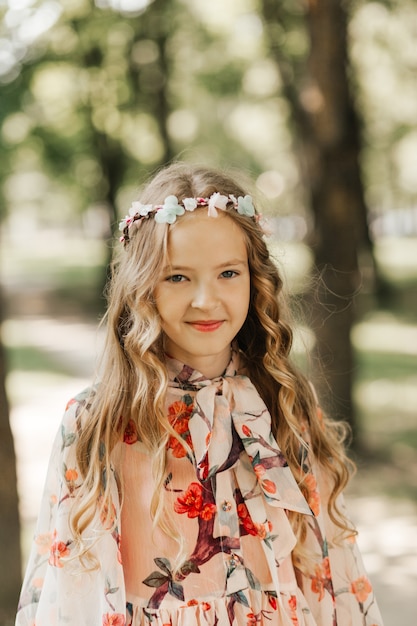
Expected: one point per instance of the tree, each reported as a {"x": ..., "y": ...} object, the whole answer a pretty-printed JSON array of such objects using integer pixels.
[
  {"x": 316, "y": 83},
  {"x": 10, "y": 575}
]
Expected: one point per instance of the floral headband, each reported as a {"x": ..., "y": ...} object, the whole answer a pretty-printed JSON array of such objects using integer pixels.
[{"x": 168, "y": 212}]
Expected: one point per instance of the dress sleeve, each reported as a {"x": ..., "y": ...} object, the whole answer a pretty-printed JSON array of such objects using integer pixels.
[
  {"x": 338, "y": 578},
  {"x": 58, "y": 589}
]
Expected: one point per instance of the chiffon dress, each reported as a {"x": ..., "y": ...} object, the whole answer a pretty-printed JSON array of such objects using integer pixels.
[{"x": 228, "y": 494}]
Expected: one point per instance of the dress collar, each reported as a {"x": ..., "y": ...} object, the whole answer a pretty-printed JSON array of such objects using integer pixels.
[{"x": 185, "y": 377}]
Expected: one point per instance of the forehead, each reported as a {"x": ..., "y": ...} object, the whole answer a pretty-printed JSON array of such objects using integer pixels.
[{"x": 196, "y": 236}]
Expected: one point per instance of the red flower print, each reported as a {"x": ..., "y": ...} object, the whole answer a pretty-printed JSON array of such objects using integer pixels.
[
  {"x": 205, "y": 606},
  {"x": 203, "y": 467},
  {"x": 71, "y": 475},
  {"x": 69, "y": 403},
  {"x": 208, "y": 511},
  {"x": 269, "y": 486},
  {"x": 246, "y": 520},
  {"x": 317, "y": 586},
  {"x": 326, "y": 567},
  {"x": 130, "y": 435},
  {"x": 178, "y": 450},
  {"x": 259, "y": 470},
  {"x": 361, "y": 588},
  {"x": 251, "y": 619},
  {"x": 191, "y": 502},
  {"x": 107, "y": 514},
  {"x": 272, "y": 599},
  {"x": 59, "y": 549},
  {"x": 114, "y": 619},
  {"x": 292, "y": 603},
  {"x": 322, "y": 577},
  {"x": 313, "y": 497},
  {"x": 246, "y": 431},
  {"x": 179, "y": 414},
  {"x": 192, "y": 602}
]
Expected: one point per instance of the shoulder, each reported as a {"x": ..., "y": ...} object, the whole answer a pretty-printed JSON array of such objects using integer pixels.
[{"x": 77, "y": 410}]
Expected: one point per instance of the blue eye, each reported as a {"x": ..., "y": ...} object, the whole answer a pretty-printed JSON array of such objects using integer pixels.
[
  {"x": 176, "y": 278},
  {"x": 228, "y": 274}
]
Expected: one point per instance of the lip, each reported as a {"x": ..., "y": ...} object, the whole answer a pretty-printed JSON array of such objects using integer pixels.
[{"x": 206, "y": 326}]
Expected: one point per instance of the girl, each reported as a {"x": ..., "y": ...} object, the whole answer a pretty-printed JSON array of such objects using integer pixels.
[{"x": 197, "y": 482}]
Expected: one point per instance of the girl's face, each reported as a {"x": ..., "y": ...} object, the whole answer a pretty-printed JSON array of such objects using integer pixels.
[{"x": 203, "y": 294}]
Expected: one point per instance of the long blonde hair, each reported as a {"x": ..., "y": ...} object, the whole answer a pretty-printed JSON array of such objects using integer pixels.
[{"x": 134, "y": 380}]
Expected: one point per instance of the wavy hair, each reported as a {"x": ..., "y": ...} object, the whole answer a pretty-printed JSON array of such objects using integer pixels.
[{"x": 134, "y": 380}]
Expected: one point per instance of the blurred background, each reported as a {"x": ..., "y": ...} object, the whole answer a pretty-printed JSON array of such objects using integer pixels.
[{"x": 316, "y": 102}]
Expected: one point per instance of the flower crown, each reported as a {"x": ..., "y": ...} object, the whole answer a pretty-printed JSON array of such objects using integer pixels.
[{"x": 168, "y": 212}]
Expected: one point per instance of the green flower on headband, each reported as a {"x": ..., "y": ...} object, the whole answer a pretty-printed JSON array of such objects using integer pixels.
[
  {"x": 245, "y": 206},
  {"x": 169, "y": 211}
]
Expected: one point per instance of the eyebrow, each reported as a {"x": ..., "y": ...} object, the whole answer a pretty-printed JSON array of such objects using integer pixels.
[{"x": 186, "y": 268}]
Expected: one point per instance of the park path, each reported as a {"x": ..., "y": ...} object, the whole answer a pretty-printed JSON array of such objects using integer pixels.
[{"x": 387, "y": 527}]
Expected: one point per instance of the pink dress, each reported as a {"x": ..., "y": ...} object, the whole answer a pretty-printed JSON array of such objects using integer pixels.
[{"x": 229, "y": 498}]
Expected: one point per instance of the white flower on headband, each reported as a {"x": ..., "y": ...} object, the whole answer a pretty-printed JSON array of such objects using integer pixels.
[
  {"x": 139, "y": 208},
  {"x": 217, "y": 201},
  {"x": 136, "y": 209},
  {"x": 190, "y": 204},
  {"x": 167, "y": 214},
  {"x": 245, "y": 206}
]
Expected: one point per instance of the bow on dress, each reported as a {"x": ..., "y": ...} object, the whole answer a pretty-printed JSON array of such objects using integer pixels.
[{"x": 233, "y": 446}]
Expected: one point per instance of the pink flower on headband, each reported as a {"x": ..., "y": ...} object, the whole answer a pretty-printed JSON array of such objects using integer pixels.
[
  {"x": 168, "y": 212},
  {"x": 217, "y": 201}
]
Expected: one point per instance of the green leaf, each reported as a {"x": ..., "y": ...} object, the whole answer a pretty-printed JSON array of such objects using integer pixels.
[
  {"x": 176, "y": 590},
  {"x": 252, "y": 580},
  {"x": 240, "y": 597},
  {"x": 188, "y": 400},
  {"x": 163, "y": 564},
  {"x": 249, "y": 440},
  {"x": 156, "y": 579},
  {"x": 190, "y": 567},
  {"x": 212, "y": 472},
  {"x": 256, "y": 459}
]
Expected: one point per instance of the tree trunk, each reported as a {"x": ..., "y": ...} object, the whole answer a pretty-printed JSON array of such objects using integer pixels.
[
  {"x": 328, "y": 138},
  {"x": 10, "y": 572}
]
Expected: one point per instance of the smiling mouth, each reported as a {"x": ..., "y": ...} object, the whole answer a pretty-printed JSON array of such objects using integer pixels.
[{"x": 206, "y": 326}]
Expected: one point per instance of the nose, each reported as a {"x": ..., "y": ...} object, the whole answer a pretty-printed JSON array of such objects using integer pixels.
[{"x": 205, "y": 297}]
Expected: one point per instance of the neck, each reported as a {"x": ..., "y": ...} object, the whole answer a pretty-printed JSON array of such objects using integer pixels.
[{"x": 210, "y": 366}]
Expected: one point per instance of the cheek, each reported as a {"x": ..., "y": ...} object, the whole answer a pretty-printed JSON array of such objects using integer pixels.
[{"x": 166, "y": 305}]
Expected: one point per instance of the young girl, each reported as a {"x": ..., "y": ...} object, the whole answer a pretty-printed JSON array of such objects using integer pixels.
[{"x": 197, "y": 482}]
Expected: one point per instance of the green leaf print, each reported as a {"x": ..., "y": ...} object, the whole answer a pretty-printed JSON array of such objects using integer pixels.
[
  {"x": 176, "y": 590},
  {"x": 240, "y": 597},
  {"x": 156, "y": 579},
  {"x": 67, "y": 438},
  {"x": 163, "y": 564}
]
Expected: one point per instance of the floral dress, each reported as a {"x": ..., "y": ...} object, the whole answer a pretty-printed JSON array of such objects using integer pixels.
[{"x": 228, "y": 495}]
